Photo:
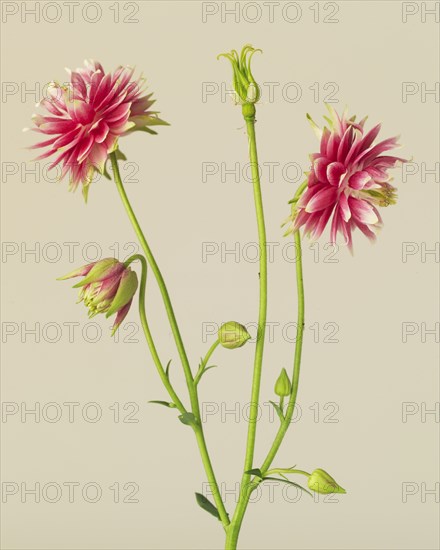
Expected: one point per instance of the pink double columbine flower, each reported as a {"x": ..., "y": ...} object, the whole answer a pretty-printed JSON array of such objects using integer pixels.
[
  {"x": 108, "y": 287},
  {"x": 348, "y": 180},
  {"x": 86, "y": 117}
]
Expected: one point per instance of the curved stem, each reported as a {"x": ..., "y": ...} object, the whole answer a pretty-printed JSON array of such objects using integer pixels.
[
  {"x": 297, "y": 360},
  {"x": 163, "y": 376},
  {"x": 158, "y": 275},
  {"x": 192, "y": 388},
  {"x": 234, "y": 528}
]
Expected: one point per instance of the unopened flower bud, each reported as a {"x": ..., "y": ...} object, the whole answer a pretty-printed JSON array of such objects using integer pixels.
[
  {"x": 233, "y": 335},
  {"x": 282, "y": 385},
  {"x": 322, "y": 482},
  {"x": 244, "y": 83},
  {"x": 108, "y": 287}
]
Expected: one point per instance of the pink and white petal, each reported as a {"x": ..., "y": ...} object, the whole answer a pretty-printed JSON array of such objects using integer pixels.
[
  {"x": 332, "y": 147},
  {"x": 366, "y": 156},
  {"x": 43, "y": 143},
  {"x": 359, "y": 179},
  {"x": 386, "y": 161},
  {"x": 300, "y": 219},
  {"x": 377, "y": 174},
  {"x": 323, "y": 199},
  {"x": 344, "y": 207},
  {"x": 335, "y": 226},
  {"x": 309, "y": 193},
  {"x": 312, "y": 222},
  {"x": 335, "y": 173},
  {"x": 83, "y": 112},
  {"x": 98, "y": 156},
  {"x": 59, "y": 127},
  {"x": 363, "y": 211},
  {"x": 120, "y": 316},
  {"x": 324, "y": 140},
  {"x": 102, "y": 91},
  {"x": 345, "y": 144},
  {"x": 368, "y": 139},
  {"x": 83, "y": 148},
  {"x": 365, "y": 230},
  {"x": 101, "y": 132},
  {"x": 323, "y": 220},
  {"x": 79, "y": 272},
  {"x": 320, "y": 169}
]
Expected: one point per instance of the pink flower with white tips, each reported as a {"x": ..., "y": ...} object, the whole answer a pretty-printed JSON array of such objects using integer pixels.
[
  {"x": 108, "y": 287},
  {"x": 347, "y": 181},
  {"x": 87, "y": 116}
]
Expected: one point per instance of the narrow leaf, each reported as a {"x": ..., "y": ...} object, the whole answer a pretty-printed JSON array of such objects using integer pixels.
[
  {"x": 204, "y": 503},
  {"x": 120, "y": 155},
  {"x": 164, "y": 403},
  {"x": 278, "y": 410},
  {"x": 255, "y": 472},
  {"x": 289, "y": 483},
  {"x": 167, "y": 370}
]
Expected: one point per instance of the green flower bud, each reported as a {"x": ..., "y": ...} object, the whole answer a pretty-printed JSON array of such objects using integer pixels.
[
  {"x": 282, "y": 385},
  {"x": 322, "y": 482},
  {"x": 244, "y": 83},
  {"x": 233, "y": 335}
]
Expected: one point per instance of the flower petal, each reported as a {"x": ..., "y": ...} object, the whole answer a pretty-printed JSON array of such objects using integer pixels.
[
  {"x": 359, "y": 179},
  {"x": 362, "y": 211},
  {"x": 324, "y": 198},
  {"x": 335, "y": 173},
  {"x": 320, "y": 169}
]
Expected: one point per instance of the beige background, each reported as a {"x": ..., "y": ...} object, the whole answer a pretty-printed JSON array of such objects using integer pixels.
[{"x": 357, "y": 386}]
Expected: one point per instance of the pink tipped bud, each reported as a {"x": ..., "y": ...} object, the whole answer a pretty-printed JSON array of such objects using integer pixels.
[{"x": 108, "y": 287}]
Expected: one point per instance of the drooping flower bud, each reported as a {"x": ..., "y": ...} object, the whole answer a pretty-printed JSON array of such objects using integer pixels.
[
  {"x": 233, "y": 335},
  {"x": 108, "y": 287},
  {"x": 282, "y": 385},
  {"x": 243, "y": 81},
  {"x": 322, "y": 482}
]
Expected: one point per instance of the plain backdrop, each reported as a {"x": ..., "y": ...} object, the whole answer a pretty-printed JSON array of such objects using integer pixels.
[{"x": 109, "y": 470}]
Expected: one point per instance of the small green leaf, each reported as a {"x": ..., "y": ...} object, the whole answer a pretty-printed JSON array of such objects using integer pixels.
[
  {"x": 255, "y": 472},
  {"x": 105, "y": 172},
  {"x": 167, "y": 370},
  {"x": 164, "y": 403},
  {"x": 204, "y": 503},
  {"x": 188, "y": 419},
  {"x": 289, "y": 483},
  {"x": 278, "y": 410},
  {"x": 147, "y": 130},
  {"x": 120, "y": 155}
]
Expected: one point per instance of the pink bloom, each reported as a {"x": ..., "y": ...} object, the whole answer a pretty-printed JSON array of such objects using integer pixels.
[
  {"x": 87, "y": 116},
  {"x": 108, "y": 287},
  {"x": 347, "y": 181}
]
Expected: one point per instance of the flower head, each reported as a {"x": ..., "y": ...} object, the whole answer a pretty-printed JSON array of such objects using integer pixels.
[
  {"x": 244, "y": 83},
  {"x": 348, "y": 180},
  {"x": 322, "y": 482},
  {"x": 233, "y": 335},
  {"x": 282, "y": 385},
  {"x": 108, "y": 287},
  {"x": 85, "y": 118}
]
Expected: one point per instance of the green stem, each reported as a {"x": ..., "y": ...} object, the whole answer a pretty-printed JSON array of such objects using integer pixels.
[
  {"x": 192, "y": 388},
  {"x": 158, "y": 275},
  {"x": 297, "y": 360},
  {"x": 234, "y": 528},
  {"x": 149, "y": 337},
  {"x": 205, "y": 361}
]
